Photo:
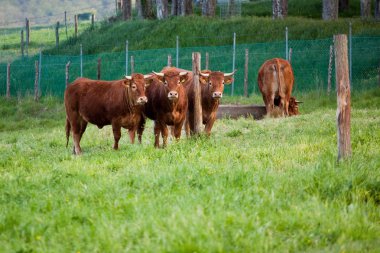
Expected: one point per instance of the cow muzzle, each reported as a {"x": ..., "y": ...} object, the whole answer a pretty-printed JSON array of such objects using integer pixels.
[
  {"x": 172, "y": 95},
  {"x": 142, "y": 100},
  {"x": 217, "y": 95}
]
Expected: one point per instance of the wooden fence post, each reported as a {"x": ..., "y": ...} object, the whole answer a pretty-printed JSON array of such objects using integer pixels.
[
  {"x": 8, "y": 80},
  {"x": 36, "y": 95},
  {"x": 169, "y": 60},
  {"x": 246, "y": 73},
  {"x": 329, "y": 71},
  {"x": 343, "y": 96},
  {"x": 92, "y": 20},
  {"x": 22, "y": 43},
  {"x": 99, "y": 66},
  {"x": 27, "y": 30},
  {"x": 132, "y": 64},
  {"x": 197, "y": 93},
  {"x": 290, "y": 54},
  {"x": 206, "y": 64},
  {"x": 67, "y": 73},
  {"x": 76, "y": 25},
  {"x": 66, "y": 23},
  {"x": 57, "y": 35}
]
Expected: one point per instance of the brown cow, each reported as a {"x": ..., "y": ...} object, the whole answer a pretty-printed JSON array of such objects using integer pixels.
[
  {"x": 275, "y": 80},
  {"x": 212, "y": 86},
  {"x": 117, "y": 103},
  {"x": 167, "y": 104}
]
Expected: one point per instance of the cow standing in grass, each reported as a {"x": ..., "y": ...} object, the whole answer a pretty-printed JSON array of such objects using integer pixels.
[
  {"x": 275, "y": 81},
  {"x": 212, "y": 87},
  {"x": 117, "y": 103},
  {"x": 167, "y": 104}
]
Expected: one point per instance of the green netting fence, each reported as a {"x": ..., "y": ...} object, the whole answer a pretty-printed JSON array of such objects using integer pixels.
[{"x": 309, "y": 58}]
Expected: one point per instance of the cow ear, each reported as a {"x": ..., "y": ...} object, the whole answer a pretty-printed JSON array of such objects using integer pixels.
[
  {"x": 183, "y": 78},
  {"x": 148, "y": 81},
  {"x": 203, "y": 80},
  {"x": 127, "y": 82},
  {"x": 228, "y": 80}
]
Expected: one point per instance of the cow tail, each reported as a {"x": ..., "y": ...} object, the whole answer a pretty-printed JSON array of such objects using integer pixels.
[{"x": 68, "y": 128}]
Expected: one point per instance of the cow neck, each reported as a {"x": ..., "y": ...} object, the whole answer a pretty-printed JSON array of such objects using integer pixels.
[
  {"x": 128, "y": 99},
  {"x": 210, "y": 103}
]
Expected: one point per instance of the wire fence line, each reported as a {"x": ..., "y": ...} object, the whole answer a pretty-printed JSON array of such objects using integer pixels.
[{"x": 310, "y": 61}]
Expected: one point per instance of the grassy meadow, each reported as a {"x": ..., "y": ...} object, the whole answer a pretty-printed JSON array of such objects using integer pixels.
[{"x": 272, "y": 185}]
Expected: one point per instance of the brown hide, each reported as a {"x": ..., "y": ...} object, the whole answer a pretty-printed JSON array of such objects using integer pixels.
[
  {"x": 275, "y": 81},
  {"x": 167, "y": 104},
  {"x": 212, "y": 88},
  {"x": 118, "y": 103}
]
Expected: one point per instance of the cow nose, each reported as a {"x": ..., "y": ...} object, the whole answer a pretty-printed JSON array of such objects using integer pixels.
[
  {"x": 173, "y": 94},
  {"x": 217, "y": 94},
  {"x": 142, "y": 100}
]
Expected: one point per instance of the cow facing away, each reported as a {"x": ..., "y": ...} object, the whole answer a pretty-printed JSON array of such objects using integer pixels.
[
  {"x": 117, "y": 103},
  {"x": 275, "y": 81},
  {"x": 167, "y": 104},
  {"x": 212, "y": 87}
]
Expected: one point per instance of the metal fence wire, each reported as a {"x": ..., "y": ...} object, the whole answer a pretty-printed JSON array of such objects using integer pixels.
[{"x": 309, "y": 58}]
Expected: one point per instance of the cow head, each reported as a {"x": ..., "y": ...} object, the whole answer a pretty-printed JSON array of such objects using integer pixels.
[
  {"x": 215, "y": 82},
  {"x": 172, "y": 81},
  {"x": 135, "y": 88},
  {"x": 293, "y": 106}
]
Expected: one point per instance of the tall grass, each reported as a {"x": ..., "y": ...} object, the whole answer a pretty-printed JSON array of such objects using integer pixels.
[{"x": 255, "y": 186}]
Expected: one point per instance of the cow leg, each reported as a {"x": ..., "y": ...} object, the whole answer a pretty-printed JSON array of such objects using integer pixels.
[
  {"x": 157, "y": 131},
  {"x": 187, "y": 126},
  {"x": 269, "y": 104},
  {"x": 83, "y": 127},
  {"x": 165, "y": 134},
  {"x": 287, "y": 98},
  {"x": 140, "y": 129},
  {"x": 76, "y": 127},
  {"x": 116, "y": 129},
  {"x": 132, "y": 134},
  {"x": 210, "y": 124},
  {"x": 177, "y": 131}
]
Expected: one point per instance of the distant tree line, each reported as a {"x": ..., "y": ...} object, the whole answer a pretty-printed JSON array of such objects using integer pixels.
[{"x": 148, "y": 9}]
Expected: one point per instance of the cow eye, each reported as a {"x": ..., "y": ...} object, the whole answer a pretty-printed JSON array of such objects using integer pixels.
[
  {"x": 209, "y": 83},
  {"x": 166, "y": 83},
  {"x": 134, "y": 87}
]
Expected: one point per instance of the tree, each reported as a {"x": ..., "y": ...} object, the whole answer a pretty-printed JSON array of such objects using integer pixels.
[
  {"x": 279, "y": 8},
  {"x": 127, "y": 9},
  {"x": 139, "y": 9},
  {"x": 365, "y": 9},
  {"x": 330, "y": 9},
  {"x": 208, "y": 8},
  {"x": 162, "y": 9},
  {"x": 147, "y": 7},
  {"x": 377, "y": 11},
  {"x": 343, "y": 5},
  {"x": 188, "y": 7}
]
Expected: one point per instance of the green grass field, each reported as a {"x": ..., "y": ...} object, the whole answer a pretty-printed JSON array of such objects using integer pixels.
[{"x": 272, "y": 185}]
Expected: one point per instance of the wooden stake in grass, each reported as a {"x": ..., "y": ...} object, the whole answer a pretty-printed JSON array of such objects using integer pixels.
[
  {"x": 8, "y": 80},
  {"x": 67, "y": 73},
  {"x": 197, "y": 93},
  {"x": 76, "y": 25},
  {"x": 329, "y": 71},
  {"x": 36, "y": 95},
  {"x": 57, "y": 35},
  {"x": 22, "y": 43},
  {"x": 343, "y": 96},
  {"x": 246, "y": 73},
  {"x": 169, "y": 60}
]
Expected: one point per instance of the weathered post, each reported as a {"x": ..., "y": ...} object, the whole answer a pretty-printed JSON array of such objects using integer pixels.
[
  {"x": 27, "y": 30},
  {"x": 99, "y": 66},
  {"x": 246, "y": 73},
  {"x": 132, "y": 64},
  {"x": 92, "y": 20},
  {"x": 169, "y": 60},
  {"x": 329, "y": 71},
  {"x": 343, "y": 96},
  {"x": 76, "y": 25},
  {"x": 22, "y": 43},
  {"x": 196, "y": 57},
  {"x": 8, "y": 80},
  {"x": 67, "y": 72},
  {"x": 36, "y": 95},
  {"x": 286, "y": 44},
  {"x": 66, "y": 23},
  {"x": 206, "y": 64},
  {"x": 81, "y": 60},
  {"x": 126, "y": 57},
  {"x": 350, "y": 53},
  {"x": 233, "y": 62},
  {"x": 57, "y": 35},
  {"x": 290, "y": 55}
]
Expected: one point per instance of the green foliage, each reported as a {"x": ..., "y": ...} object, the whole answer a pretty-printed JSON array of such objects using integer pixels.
[{"x": 254, "y": 186}]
